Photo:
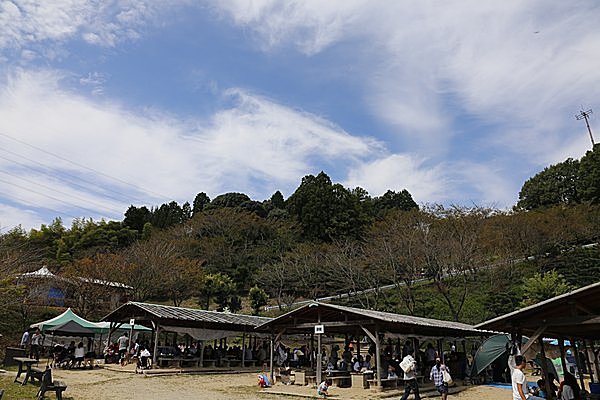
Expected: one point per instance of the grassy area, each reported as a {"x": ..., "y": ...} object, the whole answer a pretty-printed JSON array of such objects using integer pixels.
[{"x": 16, "y": 391}]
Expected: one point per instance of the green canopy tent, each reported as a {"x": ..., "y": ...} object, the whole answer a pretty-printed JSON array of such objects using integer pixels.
[
  {"x": 65, "y": 317},
  {"x": 494, "y": 348}
]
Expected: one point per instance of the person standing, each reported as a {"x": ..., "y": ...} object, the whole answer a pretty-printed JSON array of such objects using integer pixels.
[
  {"x": 519, "y": 381},
  {"x": 122, "y": 341},
  {"x": 437, "y": 377},
  {"x": 36, "y": 344},
  {"x": 409, "y": 366},
  {"x": 25, "y": 339}
]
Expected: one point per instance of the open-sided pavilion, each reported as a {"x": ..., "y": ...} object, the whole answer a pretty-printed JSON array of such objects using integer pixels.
[
  {"x": 574, "y": 316},
  {"x": 340, "y": 320},
  {"x": 199, "y": 324}
]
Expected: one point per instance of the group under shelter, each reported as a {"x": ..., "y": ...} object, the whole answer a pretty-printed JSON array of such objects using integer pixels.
[
  {"x": 321, "y": 319},
  {"x": 69, "y": 318},
  {"x": 199, "y": 325},
  {"x": 573, "y": 316}
]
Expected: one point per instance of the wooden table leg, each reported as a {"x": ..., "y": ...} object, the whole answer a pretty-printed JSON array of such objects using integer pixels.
[
  {"x": 27, "y": 375},
  {"x": 19, "y": 372}
]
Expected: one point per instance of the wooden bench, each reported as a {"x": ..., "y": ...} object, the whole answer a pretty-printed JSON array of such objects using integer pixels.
[
  {"x": 310, "y": 379},
  {"x": 235, "y": 363},
  {"x": 49, "y": 385},
  {"x": 386, "y": 383},
  {"x": 341, "y": 381},
  {"x": 36, "y": 373},
  {"x": 209, "y": 363},
  {"x": 250, "y": 363}
]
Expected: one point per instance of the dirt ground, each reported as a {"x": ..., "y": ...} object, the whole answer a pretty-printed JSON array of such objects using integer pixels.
[{"x": 115, "y": 383}]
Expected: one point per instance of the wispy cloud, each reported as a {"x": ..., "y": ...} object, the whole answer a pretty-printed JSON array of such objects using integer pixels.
[
  {"x": 255, "y": 146},
  {"x": 100, "y": 22},
  {"x": 514, "y": 65}
]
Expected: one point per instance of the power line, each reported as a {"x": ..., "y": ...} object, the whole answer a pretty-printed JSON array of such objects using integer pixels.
[
  {"x": 61, "y": 192},
  {"x": 123, "y": 199},
  {"x": 48, "y": 196},
  {"x": 84, "y": 166}
]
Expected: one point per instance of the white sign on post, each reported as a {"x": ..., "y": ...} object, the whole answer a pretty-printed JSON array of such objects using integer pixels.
[
  {"x": 319, "y": 329},
  {"x": 132, "y": 322}
]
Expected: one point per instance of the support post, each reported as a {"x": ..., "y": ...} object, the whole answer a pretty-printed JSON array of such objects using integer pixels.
[
  {"x": 587, "y": 359},
  {"x": 155, "y": 352},
  {"x": 378, "y": 357},
  {"x": 596, "y": 363},
  {"x": 271, "y": 366},
  {"x": 202, "y": 353},
  {"x": 563, "y": 361},
  {"x": 578, "y": 361},
  {"x": 545, "y": 367},
  {"x": 319, "y": 355},
  {"x": 243, "y": 349}
]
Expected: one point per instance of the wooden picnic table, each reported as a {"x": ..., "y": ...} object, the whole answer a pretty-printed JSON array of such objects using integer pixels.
[{"x": 25, "y": 364}]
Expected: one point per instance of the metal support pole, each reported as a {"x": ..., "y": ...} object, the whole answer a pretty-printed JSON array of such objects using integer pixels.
[{"x": 319, "y": 361}]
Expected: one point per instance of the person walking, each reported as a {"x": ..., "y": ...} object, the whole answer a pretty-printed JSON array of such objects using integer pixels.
[
  {"x": 519, "y": 381},
  {"x": 437, "y": 377},
  {"x": 36, "y": 344},
  {"x": 123, "y": 341},
  {"x": 409, "y": 366},
  {"x": 25, "y": 339}
]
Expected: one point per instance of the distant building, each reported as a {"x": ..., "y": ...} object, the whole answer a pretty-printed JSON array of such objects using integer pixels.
[{"x": 47, "y": 289}]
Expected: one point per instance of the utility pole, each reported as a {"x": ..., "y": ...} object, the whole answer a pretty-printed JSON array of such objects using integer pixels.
[{"x": 586, "y": 115}]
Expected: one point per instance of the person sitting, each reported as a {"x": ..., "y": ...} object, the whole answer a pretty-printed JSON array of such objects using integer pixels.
[
  {"x": 89, "y": 359},
  {"x": 391, "y": 373},
  {"x": 358, "y": 363},
  {"x": 79, "y": 354},
  {"x": 569, "y": 389},
  {"x": 144, "y": 358},
  {"x": 323, "y": 388}
]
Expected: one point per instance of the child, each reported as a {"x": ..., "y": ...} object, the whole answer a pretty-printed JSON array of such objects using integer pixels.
[{"x": 322, "y": 389}]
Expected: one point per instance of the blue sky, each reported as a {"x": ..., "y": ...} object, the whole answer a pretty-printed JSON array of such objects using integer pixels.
[{"x": 104, "y": 104}]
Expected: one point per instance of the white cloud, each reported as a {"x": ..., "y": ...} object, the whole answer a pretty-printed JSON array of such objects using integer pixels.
[
  {"x": 402, "y": 171},
  {"x": 256, "y": 146},
  {"x": 99, "y": 22},
  {"x": 511, "y": 64},
  {"x": 12, "y": 217}
]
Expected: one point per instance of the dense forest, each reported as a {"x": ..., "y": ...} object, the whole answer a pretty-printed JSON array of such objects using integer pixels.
[{"x": 231, "y": 252}]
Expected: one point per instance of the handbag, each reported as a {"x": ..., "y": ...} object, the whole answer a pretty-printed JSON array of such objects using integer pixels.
[{"x": 447, "y": 378}]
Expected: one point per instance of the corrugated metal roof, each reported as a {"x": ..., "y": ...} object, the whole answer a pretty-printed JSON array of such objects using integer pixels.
[
  {"x": 193, "y": 315},
  {"x": 339, "y": 318}
]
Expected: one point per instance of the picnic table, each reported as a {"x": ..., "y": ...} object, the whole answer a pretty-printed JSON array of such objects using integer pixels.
[
  {"x": 339, "y": 378},
  {"x": 25, "y": 365}
]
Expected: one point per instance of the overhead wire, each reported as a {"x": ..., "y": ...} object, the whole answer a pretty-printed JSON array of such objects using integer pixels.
[
  {"x": 112, "y": 210},
  {"x": 83, "y": 166},
  {"x": 60, "y": 177},
  {"x": 48, "y": 196}
]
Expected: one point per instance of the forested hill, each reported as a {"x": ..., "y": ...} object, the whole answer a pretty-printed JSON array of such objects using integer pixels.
[{"x": 460, "y": 263}]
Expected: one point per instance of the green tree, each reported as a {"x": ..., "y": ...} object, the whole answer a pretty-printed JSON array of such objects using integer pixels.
[
  {"x": 258, "y": 299},
  {"x": 229, "y": 200},
  {"x": 555, "y": 185},
  {"x": 588, "y": 185},
  {"x": 219, "y": 287},
  {"x": 277, "y": 200},
  {"x": 328, "y": 211},
  {"x": 542, "y": 287},
  {"x": 391, "y": 200},
  {"x": 200, "y": 201},
  {"x": 135, "y": 218}
]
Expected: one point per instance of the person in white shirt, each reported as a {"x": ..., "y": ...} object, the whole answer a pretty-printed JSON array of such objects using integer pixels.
[
  {"x": 25, "y": 339},
  {"x": 409, "y": 366},
  {"x": 519, "y": 381}
]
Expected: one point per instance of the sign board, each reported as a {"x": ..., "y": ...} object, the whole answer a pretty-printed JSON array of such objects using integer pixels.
[
  {"x": 132, "y": 322},
  {"x": 319, "y": 329}
]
